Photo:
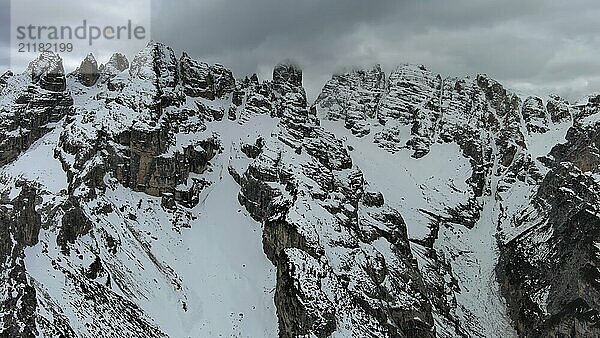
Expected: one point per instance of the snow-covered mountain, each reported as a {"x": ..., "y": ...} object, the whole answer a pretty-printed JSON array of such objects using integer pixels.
[{"x": 164, "y": 197}]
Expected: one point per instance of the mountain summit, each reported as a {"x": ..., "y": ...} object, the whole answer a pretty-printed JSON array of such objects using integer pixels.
[{"x": 164, "y": 197}]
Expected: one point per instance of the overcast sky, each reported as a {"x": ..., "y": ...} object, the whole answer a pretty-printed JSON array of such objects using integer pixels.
[{"x": 531, "y": 46}]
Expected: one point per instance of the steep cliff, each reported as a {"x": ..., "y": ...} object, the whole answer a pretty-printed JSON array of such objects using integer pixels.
[{"x": 165, "y": 197}]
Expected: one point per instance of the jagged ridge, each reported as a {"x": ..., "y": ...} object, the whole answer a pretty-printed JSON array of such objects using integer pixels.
[{"x": 140, "y": 147}]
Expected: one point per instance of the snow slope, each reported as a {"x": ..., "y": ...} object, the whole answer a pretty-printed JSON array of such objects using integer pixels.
[
  {"x": 226, "y": 282},
  {"x": 435, "y": 183},
  {"x": 173, "y": 200}
]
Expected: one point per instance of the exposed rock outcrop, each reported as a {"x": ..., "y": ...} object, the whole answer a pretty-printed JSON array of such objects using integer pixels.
[
  {"x": 20, "y": 225},
  {"x": 397, "y": 205},
  {"x": 116, "y": 64},
  {"x": 31, "y": 104},
  {"x": 87, "y": 73},
  {"x": 549, "y": 271},
  {"x": 317, "y": 226},
  {"x": 202, "y": 80}
]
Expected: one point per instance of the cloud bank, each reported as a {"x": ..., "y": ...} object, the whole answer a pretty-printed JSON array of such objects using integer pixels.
[{"x": 533, "y": 47}]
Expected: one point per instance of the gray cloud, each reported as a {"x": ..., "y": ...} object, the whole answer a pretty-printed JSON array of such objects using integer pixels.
[{"x": 533, "y": 47}]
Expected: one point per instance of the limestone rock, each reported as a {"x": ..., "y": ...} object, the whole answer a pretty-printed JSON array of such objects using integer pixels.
[{"x": 87, "y": 73}]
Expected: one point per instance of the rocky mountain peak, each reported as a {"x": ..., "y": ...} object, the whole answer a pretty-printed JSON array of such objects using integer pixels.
[
  {"x": 586, "y": 110},
  {"x": 156, "y": 63},
  {"x": 7, "y": 74},
  {"x": 224, "y": 82},
  {"x": 4, "y": 78},
  {"x": 196, "y": 77},
  {"x": 287, "y": 72},
  {"x": 116, "y": 64},
  {"x": 535, "y": 115},
  {"x": 87, "y": 73},
  {"x": 353, "y": 96},
  {"x": 47, "y": 70},
  {"x": 400, "y": 204},
  {"x": 31, "y": 103},
  {"x": 200, "y": 79},
  {"x": 558, "y": 108}
]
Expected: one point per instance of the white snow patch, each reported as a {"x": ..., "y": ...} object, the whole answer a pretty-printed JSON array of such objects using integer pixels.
[
  {"x": 541, "y": 144},
  {"x": 433, "y": 183},
  {"x": 37, "y": 164}
]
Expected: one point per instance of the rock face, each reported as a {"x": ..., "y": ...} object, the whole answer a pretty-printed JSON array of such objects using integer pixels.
[
  {"x": 117, "y": 64},
  {"x": 313, "y": 189},
  {"x": 558, "y": 109},
  {"x": 397, "y": 205},
  {"x": 549, "y": 272},
  {"x": 513, "y": 190},
  {"x": 139, "y": 152},
  {"x": 20, "y": 228},
  {"x": 201, "y": 80},
  {"x": 4, "y": 78},
  {"x": 535, "y": 115},
  {"x": 87, "y": 73},
  {"x": 353, "y": 97},
  {"x": 31, "y": 104}
]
